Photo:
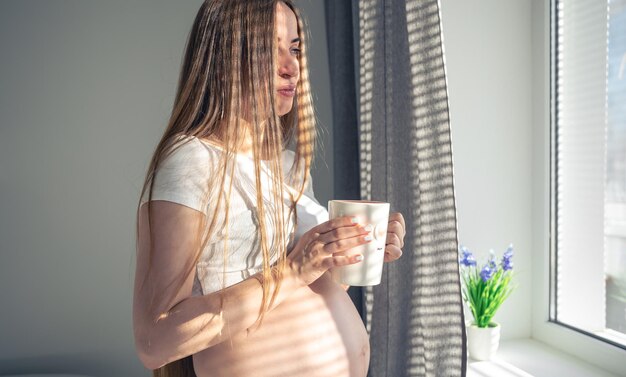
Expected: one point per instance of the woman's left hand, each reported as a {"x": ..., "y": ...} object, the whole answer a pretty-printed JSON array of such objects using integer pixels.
[{"x": 395, "y": 237}]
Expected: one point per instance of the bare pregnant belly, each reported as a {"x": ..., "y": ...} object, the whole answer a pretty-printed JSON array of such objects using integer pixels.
[{"x": 316, "y": 332}]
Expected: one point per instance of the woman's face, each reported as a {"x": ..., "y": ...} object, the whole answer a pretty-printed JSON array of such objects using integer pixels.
[{"x": 287, "y": 65}]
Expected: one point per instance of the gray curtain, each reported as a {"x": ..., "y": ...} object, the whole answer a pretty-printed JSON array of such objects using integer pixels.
[{"x": 415, "y": 316}]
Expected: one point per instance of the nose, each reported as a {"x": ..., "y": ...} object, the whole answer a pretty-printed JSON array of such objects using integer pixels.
[{"x": 288, "y": 67}]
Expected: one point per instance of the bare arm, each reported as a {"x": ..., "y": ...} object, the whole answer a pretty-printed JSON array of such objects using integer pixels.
[
  {"x": 195, "y": 323},
  {"x": 192, "y": 324}
]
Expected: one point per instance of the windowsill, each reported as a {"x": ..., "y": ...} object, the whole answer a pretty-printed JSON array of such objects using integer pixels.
[{"x": 531, "y": 358}]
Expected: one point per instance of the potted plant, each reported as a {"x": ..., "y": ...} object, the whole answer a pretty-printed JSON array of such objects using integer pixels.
[{"x": 484, "y": 290}]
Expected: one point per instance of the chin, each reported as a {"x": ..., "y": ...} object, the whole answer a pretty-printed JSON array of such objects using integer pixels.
[{"x": 284, "y": 111}]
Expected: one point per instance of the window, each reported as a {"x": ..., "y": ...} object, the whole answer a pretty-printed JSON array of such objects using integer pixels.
[{"x": 588, "y": 183}]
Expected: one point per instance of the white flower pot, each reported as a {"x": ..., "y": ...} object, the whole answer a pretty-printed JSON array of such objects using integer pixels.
[{"x": 482, "y": 342}]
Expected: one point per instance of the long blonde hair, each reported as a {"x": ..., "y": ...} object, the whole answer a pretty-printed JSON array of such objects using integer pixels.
[{"x": 228, "y": 68}]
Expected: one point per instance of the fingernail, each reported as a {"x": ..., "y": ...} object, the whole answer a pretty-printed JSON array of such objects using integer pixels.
[
  {"x": 368, "y": 237},
  {"x": 355, "y": 220},
  {"x": 368, "y": 227},
  {"x": 359, "y": 258}
]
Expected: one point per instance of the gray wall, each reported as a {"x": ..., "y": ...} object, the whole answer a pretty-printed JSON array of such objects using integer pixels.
[{"x": 86, "y": 88}]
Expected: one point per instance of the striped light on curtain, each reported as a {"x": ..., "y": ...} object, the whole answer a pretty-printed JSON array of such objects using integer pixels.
[{"x": 415, "y": 316}]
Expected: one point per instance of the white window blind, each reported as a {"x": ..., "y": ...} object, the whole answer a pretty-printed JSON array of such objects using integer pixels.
[{"x": 585, "y": 214}]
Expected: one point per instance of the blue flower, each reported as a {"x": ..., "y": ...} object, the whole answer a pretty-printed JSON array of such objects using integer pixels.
[
  {"x": 489, "y": 269},
  {"x": 467, "y": 258},
  {"x": 506, "y": 258},
  {"x": 485, "y": 286}
]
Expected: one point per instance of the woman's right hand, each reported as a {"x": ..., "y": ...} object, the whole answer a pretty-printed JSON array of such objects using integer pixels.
[{"x": 324, "y": 246}]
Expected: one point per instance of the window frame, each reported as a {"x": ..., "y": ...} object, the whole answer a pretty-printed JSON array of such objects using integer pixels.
[{"x": 591, "y": 349}]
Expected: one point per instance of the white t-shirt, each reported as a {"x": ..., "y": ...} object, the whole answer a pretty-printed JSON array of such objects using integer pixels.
[{"x": 183, "y": 177}]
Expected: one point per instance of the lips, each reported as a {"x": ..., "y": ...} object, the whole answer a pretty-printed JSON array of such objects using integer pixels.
[{"x": 287, "y": 90}]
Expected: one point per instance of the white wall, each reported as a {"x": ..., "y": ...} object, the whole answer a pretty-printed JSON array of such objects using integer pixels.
[
  {"x": 86, "y": 88},
  {"x": 488, "y": 62}
]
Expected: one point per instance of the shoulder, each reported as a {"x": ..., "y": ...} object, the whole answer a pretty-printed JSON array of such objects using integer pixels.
[
  {"x": 188, "y": 152},
  {"x": 191, "y": 145},
  {"x": 184, "y": 174},
  {"x": 187, "y": 159}
]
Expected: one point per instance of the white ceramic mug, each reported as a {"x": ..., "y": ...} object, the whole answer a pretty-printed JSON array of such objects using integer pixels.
[{"x": 370, "y": 269}]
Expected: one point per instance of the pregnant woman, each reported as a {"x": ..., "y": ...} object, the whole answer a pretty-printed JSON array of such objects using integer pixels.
[{"x": 233, "y": 249}]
